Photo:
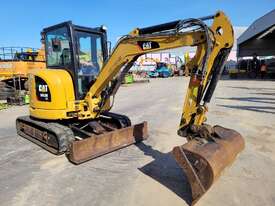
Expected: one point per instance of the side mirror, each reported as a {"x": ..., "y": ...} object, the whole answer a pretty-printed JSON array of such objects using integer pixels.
[
  {"x": 109, "y": 46},
  {"x": 42, "y": 40}
]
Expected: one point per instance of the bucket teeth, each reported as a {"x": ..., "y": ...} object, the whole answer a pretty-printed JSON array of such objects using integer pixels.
[{"x": 204, "y": 161}]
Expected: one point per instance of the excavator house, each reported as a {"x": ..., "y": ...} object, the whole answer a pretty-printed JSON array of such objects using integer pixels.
[{"x": 71, "y": 100}]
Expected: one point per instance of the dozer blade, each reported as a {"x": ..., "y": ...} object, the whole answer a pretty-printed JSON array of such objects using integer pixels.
[
  {"x": 203, "y": 162},
  {"x": 97, "y": 145}
]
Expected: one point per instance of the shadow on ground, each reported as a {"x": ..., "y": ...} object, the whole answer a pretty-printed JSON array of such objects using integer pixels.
[
  {"x": 262, "y": 109},
  {"x": 257, "y": 90},
  {"x": 266, "y": 100},
  {"x": 264, "y": 93},
  {"x": 166, "y": 171},
  {"x": 239, "y": 79},
  {"x": 252, "y": 88}
]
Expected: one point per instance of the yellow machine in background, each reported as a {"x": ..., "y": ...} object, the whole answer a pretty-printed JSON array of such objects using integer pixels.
[
  {"x": 71, "y": 99},
  {"x": 15, "y": 64},
  {"x": 186, "y": 60},
  {"x": 18, "y": 61},
  {"x": 154, "y": 61}
]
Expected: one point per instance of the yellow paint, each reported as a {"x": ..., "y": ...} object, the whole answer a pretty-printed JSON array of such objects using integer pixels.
[{"x": 61, "y": 89}]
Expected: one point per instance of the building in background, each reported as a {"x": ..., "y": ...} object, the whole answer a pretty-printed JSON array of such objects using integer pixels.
[{"x": 258, "y": 40}]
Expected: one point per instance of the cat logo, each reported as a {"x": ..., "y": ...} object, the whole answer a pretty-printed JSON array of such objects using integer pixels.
[
  {"x": 147, "y": 45},
  {"x": 43, "y": 88}
]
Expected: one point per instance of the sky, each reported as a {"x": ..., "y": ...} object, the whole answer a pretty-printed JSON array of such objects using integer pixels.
[{"x": 22, "y": 21}]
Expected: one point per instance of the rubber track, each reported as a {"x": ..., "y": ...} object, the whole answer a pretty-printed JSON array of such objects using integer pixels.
[{"x": 63, "y": 134}]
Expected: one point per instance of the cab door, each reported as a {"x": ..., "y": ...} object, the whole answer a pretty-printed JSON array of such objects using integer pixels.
[{"x": 90, "y": 58}]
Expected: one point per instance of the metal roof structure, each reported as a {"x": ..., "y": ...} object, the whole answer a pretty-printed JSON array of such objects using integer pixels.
[{"x": 259, "y": 38}]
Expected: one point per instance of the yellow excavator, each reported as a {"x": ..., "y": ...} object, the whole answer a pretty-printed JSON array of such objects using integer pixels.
[
  {"x": 15, "y": 63},
  {"x": 71, "y": 99}
]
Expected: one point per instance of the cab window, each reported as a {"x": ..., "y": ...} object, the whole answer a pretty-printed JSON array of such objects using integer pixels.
[
  {"x": 90, "y": 59},
  {"x": 58, "y": 48}
]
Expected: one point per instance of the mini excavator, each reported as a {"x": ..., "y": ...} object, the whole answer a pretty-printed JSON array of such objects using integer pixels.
[{"x": 71, "y": 100}]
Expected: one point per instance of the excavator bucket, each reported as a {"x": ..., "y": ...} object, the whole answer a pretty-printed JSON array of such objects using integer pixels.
[{"x": 203, "y": 161}]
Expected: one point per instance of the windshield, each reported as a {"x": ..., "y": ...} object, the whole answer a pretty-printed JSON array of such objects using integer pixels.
[
  {"x": 90, "y": 59},
  {"x": 58, "y": 48}
]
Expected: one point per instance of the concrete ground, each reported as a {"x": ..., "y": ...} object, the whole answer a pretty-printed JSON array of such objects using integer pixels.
[{"x": 146, "y": 174}]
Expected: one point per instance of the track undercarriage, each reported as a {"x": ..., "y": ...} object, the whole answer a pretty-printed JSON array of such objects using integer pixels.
[{"x": 82, "y": 140}]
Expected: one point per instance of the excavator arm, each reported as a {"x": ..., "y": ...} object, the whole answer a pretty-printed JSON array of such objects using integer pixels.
[
  {"x": 209, "y": 149},
  {"x": 213, "y": 45}
]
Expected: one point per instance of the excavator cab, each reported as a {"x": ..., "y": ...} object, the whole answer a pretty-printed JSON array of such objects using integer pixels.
[{"x": 79, "y": 50}]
